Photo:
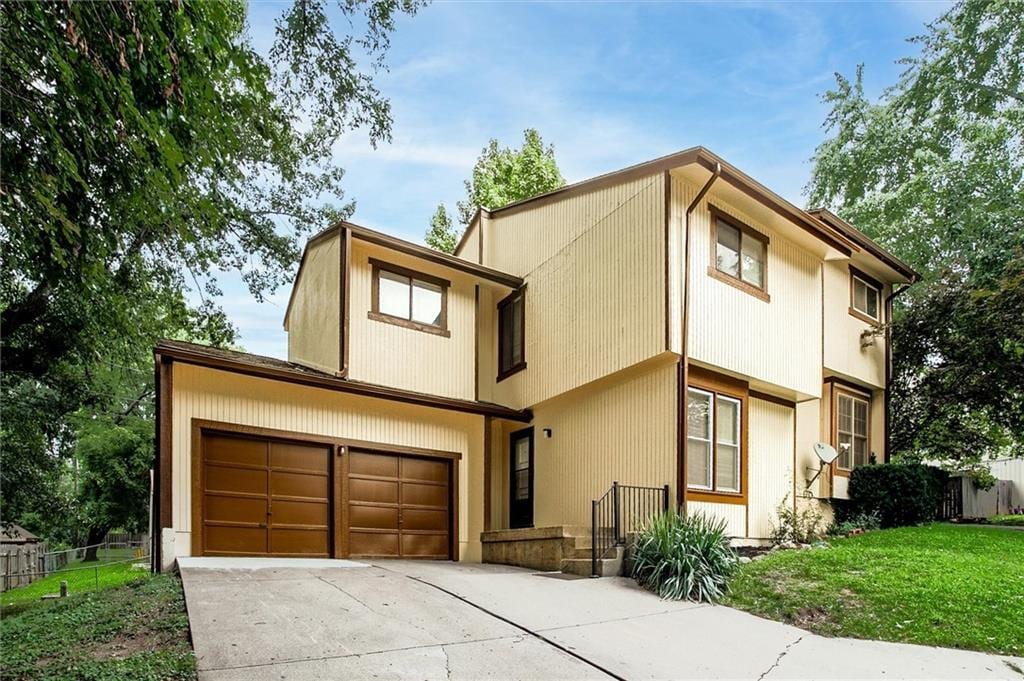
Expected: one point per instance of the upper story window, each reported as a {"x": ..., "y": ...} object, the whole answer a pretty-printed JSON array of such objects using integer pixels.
[
  {"x": 410, "y": 299},
  {"x": 713, "y": 452},
  {"x": 512, "y": 334},
  {"x": 851, "y": 419},
  {"x": 739, "y": 254},
  {"x": 865, "y": 296}
]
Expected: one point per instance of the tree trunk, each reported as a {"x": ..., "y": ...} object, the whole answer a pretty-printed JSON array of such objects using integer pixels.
[{"x": 96, "y": 535}]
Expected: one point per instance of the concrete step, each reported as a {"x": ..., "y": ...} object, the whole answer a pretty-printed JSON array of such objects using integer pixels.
[{"x": 609, "y": 566}]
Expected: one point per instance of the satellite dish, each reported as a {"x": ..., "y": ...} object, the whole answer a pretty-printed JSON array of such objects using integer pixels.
[{"x": 826, "y": 452}]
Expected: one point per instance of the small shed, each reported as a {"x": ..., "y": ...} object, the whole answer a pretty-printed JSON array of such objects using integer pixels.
[{"x": 16, "y": 534}]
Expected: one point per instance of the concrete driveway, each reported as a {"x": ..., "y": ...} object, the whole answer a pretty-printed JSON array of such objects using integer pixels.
[{"x": 257, "y": 619}]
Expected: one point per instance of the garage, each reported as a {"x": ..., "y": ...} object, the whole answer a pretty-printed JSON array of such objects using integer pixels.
[
  {"x": 271, "y": 493},
  {"x": 264, "y": 497},
  {"x": 398, "y": 506}
]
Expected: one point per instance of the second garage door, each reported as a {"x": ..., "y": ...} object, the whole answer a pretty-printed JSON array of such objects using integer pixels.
[{"x": 398, "y": 506}]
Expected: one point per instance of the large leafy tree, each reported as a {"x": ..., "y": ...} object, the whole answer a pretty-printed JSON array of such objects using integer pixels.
[
  {"x": 500, "y": 176},
  {"x": 146, "y": 147},
  {"x": 934, "y": 170}
]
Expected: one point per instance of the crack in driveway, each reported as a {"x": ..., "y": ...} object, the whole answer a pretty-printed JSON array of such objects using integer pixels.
[{"x": 779, "y": 658}]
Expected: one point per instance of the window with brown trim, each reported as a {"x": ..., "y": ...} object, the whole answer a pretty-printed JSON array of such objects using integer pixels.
[
  {"x": 739, "y": 254},
  {"x": 852, "y": 422},
  {"x": 512, "y": 334},
  {"x": 407, "y": 298},
  {"x": 865, "y": 297},
  {"x": 714, "y": 442}
]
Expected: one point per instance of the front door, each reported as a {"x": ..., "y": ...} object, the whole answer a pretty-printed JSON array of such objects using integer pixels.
[{"x": 520, "y": 507}]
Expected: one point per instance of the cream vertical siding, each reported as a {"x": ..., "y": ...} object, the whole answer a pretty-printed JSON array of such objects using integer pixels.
[
  {"x": 770, "y": 465},
  {"x": 734, "y": 515},
  {"x": 314, "y": 321},
  {"x": 808, "y": 431},
  {"x": 621, "y": 429},
  {"x": 400, "y": 357},
  {"x": 471, "y": 246},
  {"x": 594, "y": 269},
  {"x": 202, "y": 393},
  {"x": 843, "y": 351},
  {"x": 776, "y": 342}
]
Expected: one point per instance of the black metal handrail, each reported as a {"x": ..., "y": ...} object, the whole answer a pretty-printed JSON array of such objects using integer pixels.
[{"x": 622, "y": 510}]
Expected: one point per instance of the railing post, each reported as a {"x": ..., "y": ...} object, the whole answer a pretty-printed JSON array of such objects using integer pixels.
[
  {"x": 616, "y": 517},
  {"x": 665, "y": 493},
  {"x": 593, "y": 538}
]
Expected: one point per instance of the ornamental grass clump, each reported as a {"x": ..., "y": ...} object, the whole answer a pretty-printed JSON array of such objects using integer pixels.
[{"x": 679, "y": 556}]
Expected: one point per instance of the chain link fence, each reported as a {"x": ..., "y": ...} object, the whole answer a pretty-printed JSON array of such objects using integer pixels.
[{"x": 121, "y": 549}]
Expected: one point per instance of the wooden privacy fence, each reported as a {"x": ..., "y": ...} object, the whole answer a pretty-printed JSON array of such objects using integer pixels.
[
  {"x": 19, "y": 563},
  {"x": 22, "y": 564}
]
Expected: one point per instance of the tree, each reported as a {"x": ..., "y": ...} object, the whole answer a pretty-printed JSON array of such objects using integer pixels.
[
  {"x": 146, "y": 147},
  {"x": 934, "y": 171},
  {"x": 441, "y": 235}
]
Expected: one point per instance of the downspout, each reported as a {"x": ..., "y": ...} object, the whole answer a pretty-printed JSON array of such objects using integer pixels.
[
  {"x": 683, "y": 380},
  {"x": 886, "y": 400}
]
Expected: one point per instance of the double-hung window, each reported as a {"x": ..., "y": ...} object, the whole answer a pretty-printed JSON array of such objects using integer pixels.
[
  {"x": 851, "y": 431},
  {"x": 714, "y": 433},
  {"x": 411, "y": 299},
  {"x": 739, "y": 254},
  {"x": 512, "y": 334}
]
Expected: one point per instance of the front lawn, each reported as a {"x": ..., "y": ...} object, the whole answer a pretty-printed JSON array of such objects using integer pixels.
[
  {"x": 958, "y": 586},
  {"x": 138, "y": 630},
  {"x": 1014, "y": 520},
  {"x": 81, "y": 577}
]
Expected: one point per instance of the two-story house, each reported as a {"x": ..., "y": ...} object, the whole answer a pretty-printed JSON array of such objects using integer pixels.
[{"x": 673, "y": 323}]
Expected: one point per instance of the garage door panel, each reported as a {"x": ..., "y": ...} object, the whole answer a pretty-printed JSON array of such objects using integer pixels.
[
  {"x": 424, "y": 469},
  {"x": 235, "y": 509},
  {"x": 245, "y": 480},
  {"x": 234, "y": 539},
  {"x": 300, "y": 513},
  {"x": 298, "y": 457},
  {"x": 374, "y": 517},
  {"x": 373, "y": 544},
  {"x": 420, "y": 494},
  {"x": 298, "y": 485},
  {"x": 379, "y": 491},
  {"x": 425, "y": 545},
  {"x": 417, "y": 519},
  {"x": 380, "y": 465},
  {"x": 235, "y": 450},
  {"x": 299, "y": 541}
]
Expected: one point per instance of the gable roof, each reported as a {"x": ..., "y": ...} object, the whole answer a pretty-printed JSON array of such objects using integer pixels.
[
  {"x": 866, "y": 242},
  {"x": 402, "y": 246},
  {"x": 841, "y": 235}
]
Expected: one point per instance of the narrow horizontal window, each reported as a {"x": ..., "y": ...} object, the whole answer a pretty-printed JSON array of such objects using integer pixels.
[{"x": 409, "y": 298}]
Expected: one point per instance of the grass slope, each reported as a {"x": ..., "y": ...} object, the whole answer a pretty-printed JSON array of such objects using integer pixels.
[
  {"x": 943, "y": 585},
  {"x": 80, "y": 578},
  {"x": 135, "y": 631}
]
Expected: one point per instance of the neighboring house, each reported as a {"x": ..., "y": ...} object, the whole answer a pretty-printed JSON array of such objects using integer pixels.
[{"x": 434, "y": 406}]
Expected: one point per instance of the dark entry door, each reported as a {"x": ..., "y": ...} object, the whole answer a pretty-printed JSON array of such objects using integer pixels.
[{"x": 520, "y": 506}]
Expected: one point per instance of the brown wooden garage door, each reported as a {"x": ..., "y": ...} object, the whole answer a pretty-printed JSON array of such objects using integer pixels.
[
  {"x": 398, "y": 506},
  {"x": 265, "y": 497}
]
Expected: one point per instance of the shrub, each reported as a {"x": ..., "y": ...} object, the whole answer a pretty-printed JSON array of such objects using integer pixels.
[
  {"x": 801, "y": 527},
  {"x": 678, "y": 556},
  {"x": 898, "y": 493},
  {"x": 850, "y": 523}
]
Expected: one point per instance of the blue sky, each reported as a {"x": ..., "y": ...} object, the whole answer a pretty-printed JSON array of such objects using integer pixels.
[{"x": 609, "y": 84}]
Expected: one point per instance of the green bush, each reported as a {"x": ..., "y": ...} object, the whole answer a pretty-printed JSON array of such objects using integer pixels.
[
  {"x": 678, "y": 557},
  {"x": 898, "y": 493}
]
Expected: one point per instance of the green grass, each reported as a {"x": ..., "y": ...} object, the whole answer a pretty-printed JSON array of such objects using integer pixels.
[
  {"x": 138, "y": 630},
  {"x": 1014, "y": 520},
  {"x": 81, "y": 577},
  {"x": 957, "y": 586}
]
